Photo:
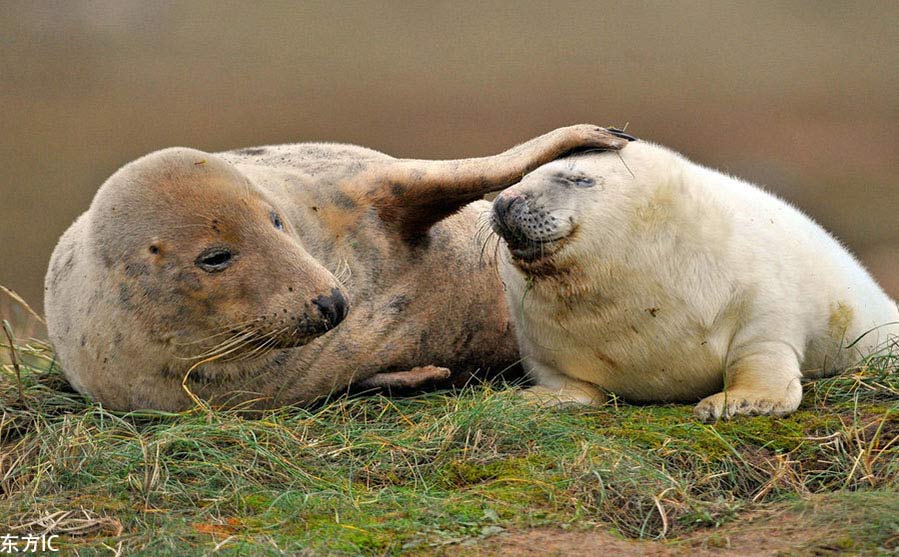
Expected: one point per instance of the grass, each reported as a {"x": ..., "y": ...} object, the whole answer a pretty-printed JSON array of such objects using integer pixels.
[{"x": 440, "y": 473}]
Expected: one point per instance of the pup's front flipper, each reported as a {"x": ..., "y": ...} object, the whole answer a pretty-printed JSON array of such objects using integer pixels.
[
  {"x": 763, "y": 379},
  {"x": 580, "y": 394},
  {"x": 415, "y": 378},
  {"x": 412, "y": 195},
  {"x": 557, "y": 389}
]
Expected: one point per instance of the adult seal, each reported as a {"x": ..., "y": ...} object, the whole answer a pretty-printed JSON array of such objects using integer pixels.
[
  {"x": 277, "y": 275},
  {"x": 643, "y": 274}
]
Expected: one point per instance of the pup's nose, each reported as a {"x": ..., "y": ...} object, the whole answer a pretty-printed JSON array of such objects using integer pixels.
[
  {"x": 504, "y": 202},
  {"x": 333, "y": 307}
]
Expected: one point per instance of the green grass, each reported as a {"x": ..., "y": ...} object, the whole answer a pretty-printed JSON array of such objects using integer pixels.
[{"x": 375, "y": 476}]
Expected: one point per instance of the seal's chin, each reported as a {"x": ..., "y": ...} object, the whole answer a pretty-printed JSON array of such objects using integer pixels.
[
  {"x": 528, "y": 250},
  {"x": 533, "y": 251}
]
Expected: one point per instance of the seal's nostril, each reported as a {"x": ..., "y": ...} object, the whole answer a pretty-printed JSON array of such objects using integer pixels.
[
  {"x": 340, "y": 304},
  {"x": 333, "y": 308},
  {"x": 326, "y": 307}
]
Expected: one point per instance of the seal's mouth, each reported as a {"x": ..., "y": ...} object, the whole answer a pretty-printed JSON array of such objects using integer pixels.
[
  {"x": 524, "y": 248},
  {"x": 532, "y": 233},
  {"x": 540, "y": 260},
  {"x": 534, "y": 251}
]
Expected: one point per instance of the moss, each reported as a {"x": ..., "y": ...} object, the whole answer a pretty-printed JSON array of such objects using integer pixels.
[
  {"x": 668, "y": 430},
  {"x": 844, "y": 544},
  {"x": 778, "y": 434},
  {"x": 467, "y": 472},
  {"x": 347, "y": 537},
  {"x": 256, "y": 502}
]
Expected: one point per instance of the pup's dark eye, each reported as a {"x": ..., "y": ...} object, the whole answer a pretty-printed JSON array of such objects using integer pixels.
[
  {"x": 564, "y": 179},
  {"x": 583, "y": 181},
  {"x": 214, "y": 260},
  {"x": 276, "y": 220}
]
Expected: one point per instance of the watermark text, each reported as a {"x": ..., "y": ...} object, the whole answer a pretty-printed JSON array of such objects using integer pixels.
[{"x": 28, "y": 543}]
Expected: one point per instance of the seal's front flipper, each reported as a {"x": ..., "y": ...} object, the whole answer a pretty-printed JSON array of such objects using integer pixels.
[
  {"x": 620, "y": 133},
  {"x": 412, "y": 195},
  {"x": 763, "y": 378},
  {"x": 415, "y": 378}
]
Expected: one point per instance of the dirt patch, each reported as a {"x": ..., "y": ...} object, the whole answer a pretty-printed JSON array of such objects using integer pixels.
[
  {"x": 555, "y": 541},
  {"x": 760, "y": 533}
]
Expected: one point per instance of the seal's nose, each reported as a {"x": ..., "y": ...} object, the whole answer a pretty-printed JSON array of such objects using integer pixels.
[
  {"x": 503, "y": 214},
  {"x": 503, "y": 203},
  {"x": 333, "y": 307}
]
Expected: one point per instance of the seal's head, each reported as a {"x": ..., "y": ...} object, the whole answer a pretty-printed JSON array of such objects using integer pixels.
[
  {"x": 541, "y": 214},
  {"x": 205, "y": 262},
  {"x": 538, "y": 215},
  {"x": 562, "y": 209}
]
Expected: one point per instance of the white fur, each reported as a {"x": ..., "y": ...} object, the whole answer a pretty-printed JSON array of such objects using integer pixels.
[{"x": 679, "y": 281}]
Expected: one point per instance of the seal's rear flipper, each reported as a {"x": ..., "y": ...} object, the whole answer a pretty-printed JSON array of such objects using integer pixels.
[
  {"x": 415, "y": 378},
  {"x": 412, "y": 195}
]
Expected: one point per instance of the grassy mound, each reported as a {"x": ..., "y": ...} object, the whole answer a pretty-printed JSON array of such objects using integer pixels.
[{"x": 437, "y": 474}]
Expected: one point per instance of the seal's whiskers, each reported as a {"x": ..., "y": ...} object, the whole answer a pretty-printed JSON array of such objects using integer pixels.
[
  {"x": 343, "y": 273},
  {"x": 483, "y": 237},
  {"x": 271, "y": 339},
  {"x": 223, "y": 330},
  {"x": 229, "y": 345}
]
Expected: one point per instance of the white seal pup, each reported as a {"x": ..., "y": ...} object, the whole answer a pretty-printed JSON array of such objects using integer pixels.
[{"x": 640, "y": 273}]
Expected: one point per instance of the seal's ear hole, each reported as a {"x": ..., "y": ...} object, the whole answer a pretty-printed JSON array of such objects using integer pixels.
[
  {"x": 154, "y": 249},
  {"x": 214, "y": 260}
]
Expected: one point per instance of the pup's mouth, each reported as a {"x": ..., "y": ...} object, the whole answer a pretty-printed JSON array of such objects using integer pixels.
[
  {"x": 525, "y": 249},
  {"x": 534, "y": 251}
]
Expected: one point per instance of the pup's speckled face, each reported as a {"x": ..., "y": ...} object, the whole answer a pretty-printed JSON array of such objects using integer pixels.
[
  {"x": 537, "y": 215},
  {"x": 564, "y": 208},
  {"x": 212, "y": 265}
]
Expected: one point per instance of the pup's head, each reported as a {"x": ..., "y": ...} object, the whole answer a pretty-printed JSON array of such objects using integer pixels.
[
  {"x": 560, "y": 208},
  {"x": 205, "y": 261}
]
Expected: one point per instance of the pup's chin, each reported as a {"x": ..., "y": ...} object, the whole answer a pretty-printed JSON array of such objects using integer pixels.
[
  {"x": 533, "y": 252},
  {"x": 540, "y": 260}
]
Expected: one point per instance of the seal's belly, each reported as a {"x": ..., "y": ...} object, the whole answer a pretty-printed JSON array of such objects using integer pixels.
[
  {"x": 637, "y": 360},
  {"x": 654, "y": 378}
]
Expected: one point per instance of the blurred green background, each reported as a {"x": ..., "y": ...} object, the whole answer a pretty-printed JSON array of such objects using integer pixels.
[{"x": 799, "y": 96}]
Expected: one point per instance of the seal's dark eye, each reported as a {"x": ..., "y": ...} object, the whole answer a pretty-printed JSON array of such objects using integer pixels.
[
  {"x": 214, "y": 260},
  {"x": 573, "y": 179},
  {"x": 276, "y": 220},
  {"x": 583, "y": 181}
]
